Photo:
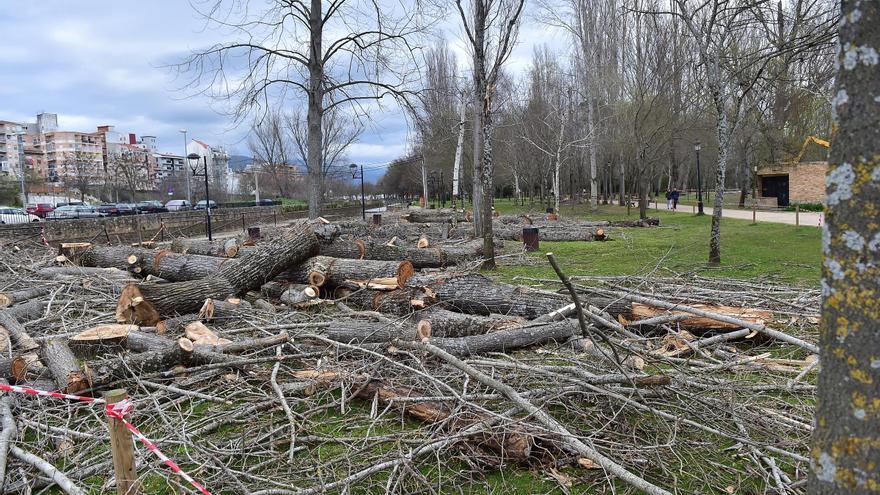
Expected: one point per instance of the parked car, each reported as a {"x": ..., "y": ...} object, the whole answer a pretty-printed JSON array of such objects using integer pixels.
[
  {"x": 76, "y": 211},
  {"x": 70, "y": 203},
  {"x": 16, "y": 215},
  {"x": 201, "y": 205},
  {"x": 126, "y": 208},
  {"x": 178, "y": 205},
  {"x": 265, "y": 202},
  {"x": 40, "y": 209},
  {"x": 151, "y": 206},
  {"x": 108, "y": 209}
]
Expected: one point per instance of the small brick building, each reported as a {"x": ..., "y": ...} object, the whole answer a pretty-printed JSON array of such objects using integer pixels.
[{"x": 792, "y": 183}]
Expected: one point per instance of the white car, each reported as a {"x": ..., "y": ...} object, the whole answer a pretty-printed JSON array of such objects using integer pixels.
[
  {"x": 75, "y": 211},
  {"x": 16, "y": 215},
  {"x": 178, "y": 205}
]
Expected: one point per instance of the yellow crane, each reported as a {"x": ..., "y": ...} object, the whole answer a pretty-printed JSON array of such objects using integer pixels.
[{"x": 810, "y": 139}]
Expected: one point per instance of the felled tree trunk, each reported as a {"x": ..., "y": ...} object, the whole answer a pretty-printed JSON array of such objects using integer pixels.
[
  {"x": 397, "y": 302},
  {"x": 106, "y": 371},
  {"x": 227, "y": 248},
  {"x": 445, "y": 323},
  {"x": 432, "y": 257},
  {"x": 436, "y": 216},
  {"x": 363, "y": 331},
  {"x": 509, "y": 340},
  {"x": 68, "y": 375},
  {"x": 171, "y": 266},
  {"x": 12, "y": 327},
  {"x": 479, "y": 295},
  {"x": 560, "y": 232},
  {"x": 146, "y": 303},
  {"x": 9, "y": 298},
  {"x": 323, "y": 270},
  {"x": 693, "y": 322}
]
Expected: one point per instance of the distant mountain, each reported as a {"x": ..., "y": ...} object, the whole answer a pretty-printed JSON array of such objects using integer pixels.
[{"x": 238, "y": 163}]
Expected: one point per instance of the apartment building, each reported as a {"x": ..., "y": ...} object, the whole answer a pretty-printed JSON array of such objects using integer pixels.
[
  {"x": 218, "y": 163},
  {"x": 169, "y": 165},
  {"x": 75, "y": 157},
  {"x": 11, "y": 148}
]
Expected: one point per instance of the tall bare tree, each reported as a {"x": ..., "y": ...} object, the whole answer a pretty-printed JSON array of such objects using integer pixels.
[
  {"x": 845, "y": 452},
  {"x": 332, "y": 54},
  {"x": 491, "y": 28}
]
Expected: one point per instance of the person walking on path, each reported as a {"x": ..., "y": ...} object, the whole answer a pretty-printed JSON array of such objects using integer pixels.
[
  {"x": 675, "y": 195},
  {"x": 668, "y": 199}
]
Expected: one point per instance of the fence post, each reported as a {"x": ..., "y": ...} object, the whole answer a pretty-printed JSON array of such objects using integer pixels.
[
  {"x": 797, "y": 215},
  {"x": 243, "y": 229},
  {"x": 122, "y": 447},
  {"x": 754, "y": 212}
]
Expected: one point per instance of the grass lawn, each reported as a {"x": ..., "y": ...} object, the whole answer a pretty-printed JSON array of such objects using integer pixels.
[{"x": 680, "y": 245}]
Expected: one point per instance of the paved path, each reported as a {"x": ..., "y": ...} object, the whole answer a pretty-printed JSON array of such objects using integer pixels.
[{"x": 807, "y": 218}]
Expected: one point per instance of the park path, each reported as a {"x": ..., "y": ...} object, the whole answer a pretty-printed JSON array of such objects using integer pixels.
[{"x": 807, "y": 218}]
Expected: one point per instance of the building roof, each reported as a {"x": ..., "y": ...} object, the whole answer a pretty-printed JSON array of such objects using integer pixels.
[{"x": 202, "y": 143}]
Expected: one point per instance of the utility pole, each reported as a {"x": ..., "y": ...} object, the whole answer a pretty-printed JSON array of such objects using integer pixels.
[
  {"x": 20, "y": 142},
  {"x": 189, "y": 196}
]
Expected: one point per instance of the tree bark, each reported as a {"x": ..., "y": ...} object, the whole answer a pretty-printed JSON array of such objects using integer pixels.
[
  {"x": 845, "y": 444},
  {"x": 147, "y": 303},
  {"x": 167, "y": 265},
  {"x": 324, "y": 270},
  {"x": 9, "y": 298},
  {"x": 68, "y": 375},
  {"x": 227, "y": 248},
  {"x": 315, "y": 113},
  {"x": 479, "y": 295}
]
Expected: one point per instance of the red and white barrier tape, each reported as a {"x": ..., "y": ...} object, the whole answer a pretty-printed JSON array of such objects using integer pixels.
[{"x": 118, "y": 411}]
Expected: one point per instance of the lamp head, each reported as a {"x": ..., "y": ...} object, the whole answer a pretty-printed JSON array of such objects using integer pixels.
[
  {"x": 353, "y": 167},
  {"x": 697, "y": 146}
]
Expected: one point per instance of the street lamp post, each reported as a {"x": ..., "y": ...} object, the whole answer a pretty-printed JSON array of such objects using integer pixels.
[
  {"x": 699, "y": 181},
  {"x": 194, "y": 163},
  {"x": 442, "y": 191},
  {"x": 354, "y": 175},
  {"x": 188, "y": 186}
]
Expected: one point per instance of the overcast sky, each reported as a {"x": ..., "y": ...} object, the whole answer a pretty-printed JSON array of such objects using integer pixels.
[{"x": 100, "y": 62}]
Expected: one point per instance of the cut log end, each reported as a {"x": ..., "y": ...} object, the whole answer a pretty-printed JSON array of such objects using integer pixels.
[
  {"x": 5, "y": 300},
  {"x": 185, "y": 345},
  {"x": 132, "y": 259},
  {"x": 133, "y": 308},
  {"x": 600, "y": 234},
  {"x": 404, "y": 272},
  {"x": 423, "y": 242},
  {"x": 317, "y": 279},
  {"x": 423, "y": 330}
]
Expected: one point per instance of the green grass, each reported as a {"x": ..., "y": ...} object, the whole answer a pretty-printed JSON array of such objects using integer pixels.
[{"x": 680, "y": 245}]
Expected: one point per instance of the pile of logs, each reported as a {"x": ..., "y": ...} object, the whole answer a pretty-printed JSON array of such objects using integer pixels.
[{"x": 314, "y": 308}]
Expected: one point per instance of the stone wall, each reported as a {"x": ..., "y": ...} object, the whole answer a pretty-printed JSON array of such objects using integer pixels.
[
  {"x": 806, "y": 182},
  {"x": 145, "y": 227}
]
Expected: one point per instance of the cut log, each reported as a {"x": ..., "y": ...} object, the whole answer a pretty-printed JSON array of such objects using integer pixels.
[
  {"x": 323, "y": 270},
  {"x": 68, "y": 375},
  {"x": 445, "y": 323},
  {"x": 436, "y": 216},
  {"x": 479, "y": 295},
  {"x": 173, "y": 267},
  {"x": 423, "y": 242},
  {"x": 227, "y": 248},
  {"x": 109, "y": 370},
  {"x": 9, "y": 298},
  {"x": 146, "y": 303},
  {"x": 509, "y": 340},
  {"x": 434, "y": 257},
  {"x": 363, "y": 331},
  {"x": 558, "y": 231},
  {"x": 299, "y": 293},
  {"x": 397, "y": 302},
  {"x": 12, "y": 327},
  {"x": 71, "y": 249},
  {"x": 100, "y": 339},
  {"x": 694, "y": 322}
]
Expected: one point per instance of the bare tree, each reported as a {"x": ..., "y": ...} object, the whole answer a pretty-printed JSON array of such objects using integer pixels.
[
  {"x": 845, "y": 449},
  {"x": 271, "y": 148},
  {"x": 490, "y": 28},
  {"x": 130, "y": 170},
  {"x": 340, "y": 132},
  {"x": 344, "y": 53},
  {"x": 80, "y": 170}
]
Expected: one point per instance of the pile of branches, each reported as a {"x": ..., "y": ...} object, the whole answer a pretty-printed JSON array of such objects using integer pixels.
[{"x": 299, "y": 364}]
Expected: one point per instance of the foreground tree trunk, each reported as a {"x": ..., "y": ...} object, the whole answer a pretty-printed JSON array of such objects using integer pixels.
[
  {"x": 315, "y": 111},
  {"x": 845, "y": 449}
]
